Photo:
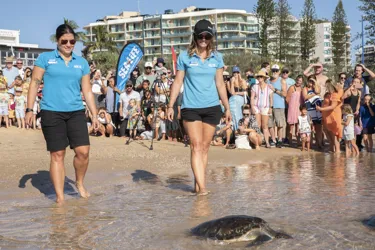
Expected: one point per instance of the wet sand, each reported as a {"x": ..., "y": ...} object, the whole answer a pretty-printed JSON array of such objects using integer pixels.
[{"x": 23, "y": 152}]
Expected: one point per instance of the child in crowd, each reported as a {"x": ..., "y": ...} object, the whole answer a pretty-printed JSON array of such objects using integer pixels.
[
  {"x": 349, "y": 137},
  {"x": 11, "y": 108},
  {"x": 249, "y": 126},
  {"x": 20, "y": 101},
  {"x": 133, "y": 117},
  {"x": 304, "y": 128},
  {"x": 367, "y": 121},
  {"x": 4, "y": 104},
  {"x": 161, "y": 115},
  {"x": 106, "y": 124},
  {"x": 223, "y": 133}
]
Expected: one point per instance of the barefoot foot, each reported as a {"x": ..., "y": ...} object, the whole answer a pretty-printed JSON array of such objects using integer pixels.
[{"x": 82, "y": 190}]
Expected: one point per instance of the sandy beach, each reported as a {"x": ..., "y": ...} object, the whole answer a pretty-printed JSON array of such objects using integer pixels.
[{"x": 23, "y": 152}]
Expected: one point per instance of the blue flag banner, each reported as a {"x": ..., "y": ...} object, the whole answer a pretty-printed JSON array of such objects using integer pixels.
[{"x": 129, "y": 58}]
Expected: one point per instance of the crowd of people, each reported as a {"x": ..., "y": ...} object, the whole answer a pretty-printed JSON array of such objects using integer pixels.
[{"x": 268, "y": 108}]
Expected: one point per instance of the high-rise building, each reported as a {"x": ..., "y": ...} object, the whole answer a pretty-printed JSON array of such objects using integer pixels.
[
  {"x": 323, "y": 49},
  {"x": 10, "y": 46},
  {"x": 291, "y": 44},
  {"x": 369, "y": 55},
  {"x": 237, "y": 30}
]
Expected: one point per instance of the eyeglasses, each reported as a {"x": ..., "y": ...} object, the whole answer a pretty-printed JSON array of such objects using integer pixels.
[
  {"x": 245, "y": 114},
  {"x": 206, "y": 36},
  {"x": 72, "y": 42},
  {"x": 19, "y": 63}
]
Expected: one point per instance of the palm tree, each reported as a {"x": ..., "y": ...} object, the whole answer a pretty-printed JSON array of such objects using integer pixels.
[
  {"x": 103, "y": 41},
  {"x": 80, "y": 36}
]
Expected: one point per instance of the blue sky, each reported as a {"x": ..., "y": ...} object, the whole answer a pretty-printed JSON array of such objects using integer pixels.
[{"x": 38, "y": 19}]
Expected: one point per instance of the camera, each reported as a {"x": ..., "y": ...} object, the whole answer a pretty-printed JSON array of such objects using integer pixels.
[{"x": 226, "y": 78}]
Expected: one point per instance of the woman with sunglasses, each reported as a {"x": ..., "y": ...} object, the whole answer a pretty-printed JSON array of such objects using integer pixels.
[
  {"x": 200, "y": 69},
  {"x": 62, "y": 112},
  {"x": 262, "y": 103},
  {"x": 342, "y": 80}
]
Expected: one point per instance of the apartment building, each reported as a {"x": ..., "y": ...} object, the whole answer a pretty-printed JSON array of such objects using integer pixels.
[
  {"x": 323, "y": 49},
  {"x": 237, "y": 30},
  {"x": 369, "y": 55},
  {"x": 10, "y": 45},
  {"x": 291, "y": 44}
]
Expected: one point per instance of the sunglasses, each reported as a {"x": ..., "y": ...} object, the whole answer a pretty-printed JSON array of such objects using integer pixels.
[
  {"x": 20, "y": 63},
  {"x": 206, "y": 36},
  {"x": 275, "y": 70},
  {"x": 72, "y": 42},
  {"x": 285, "y": 72},
  {"x": 246, "y": 114},
  {"x": 343, "y": 78},
  {"x": 148, "y": 67},
  {"x": 129, "y": 86}
]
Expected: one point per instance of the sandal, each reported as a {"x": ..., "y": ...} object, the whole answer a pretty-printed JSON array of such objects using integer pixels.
[{"x": 230, "y": 146}]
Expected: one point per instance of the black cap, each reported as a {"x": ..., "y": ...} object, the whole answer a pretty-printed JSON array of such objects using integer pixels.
[{"x": 203, "y": 26}]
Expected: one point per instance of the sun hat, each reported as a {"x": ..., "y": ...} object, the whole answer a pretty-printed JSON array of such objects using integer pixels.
[
  {"x": 261, "y": 73},
  {"x": 9, "y": 59}
]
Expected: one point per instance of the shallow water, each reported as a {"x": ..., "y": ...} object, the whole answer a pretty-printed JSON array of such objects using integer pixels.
[{"x": 320, "y": 200}]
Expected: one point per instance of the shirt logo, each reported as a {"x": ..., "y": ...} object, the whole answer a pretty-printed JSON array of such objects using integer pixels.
[
  {"x": 52, "y": 61},
  {"x": 212, "y": 65},
  {"x": 77, "y": 66}
]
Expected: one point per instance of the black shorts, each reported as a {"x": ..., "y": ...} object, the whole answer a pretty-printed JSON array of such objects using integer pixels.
[
  {"x": 317, "y": 122},
  {"x": 368, "y": 131},
  {"x": 61, "y": 129},
  {"x": 211, "y": 115}
]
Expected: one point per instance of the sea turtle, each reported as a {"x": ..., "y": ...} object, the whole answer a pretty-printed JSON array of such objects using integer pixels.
[
  {"x": 370, "y": 223},
  {"x": 236, "y": 228}
]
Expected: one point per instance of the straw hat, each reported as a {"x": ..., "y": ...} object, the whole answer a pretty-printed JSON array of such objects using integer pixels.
[
  {"x": 9, "y": 59},
  {"x": 262, "y": 73}
]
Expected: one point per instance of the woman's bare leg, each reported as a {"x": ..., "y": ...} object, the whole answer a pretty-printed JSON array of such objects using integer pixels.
[{"x": 264, "y": 125}]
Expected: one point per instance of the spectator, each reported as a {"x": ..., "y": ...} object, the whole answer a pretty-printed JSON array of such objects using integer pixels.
[
  {"x": 162, "y": 88},
  {"x": 367, "y": 121},
  {"x": 266, "y": 67},
  {"x": 311, "y": 96},
  {"x": 160, "y": 67},
  {"x": 294, "y": 100},
  {"x": 348, "y": 123},
  {"x": 145, "y": 86},
  {"x": 20, "y": 101},
  {"x": 147, "y": 75},
  {"x": 223, "y": 133},
  {"x": 106, "y": 124},
  {"x": 342, "y": 80},
  {"x": 359, "y": 71},
  {"x": 304, "y": 128},
  {"x": 332, "y": 115},
  {"x": 11, "y": 108},
  {"x": 248, "y": 125},
  {"x": 97, "y": 89},
  {"x": 110, "y": 92},
  {"x": 352, "y": 96},
  {"x": 124, "y": 107},
  {"x": 10, "y": 74},
  {"x": 319, "y": 76},
  {"x": 27, "y": 76},
  {"x": 4, "y": 103},
  {"x": 133, "y": 114},
  {"x": 134, "y": 75},
  {"x": 238, "y": 91},
  {"x": 285, "y": 75},
  {"x": 19, "y": 64},
  {"x": 250, "y": 77},
  {"x": 262, "y": 103},
  {"x": 279, "y": 87}
]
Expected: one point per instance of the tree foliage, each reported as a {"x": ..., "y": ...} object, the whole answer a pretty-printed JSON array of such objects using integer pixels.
[
  {"x": 308, "y": 37},
  {"x": 80, "y": 36},
  {"x": 282, "y": 37},
  {"x": 105, "y": 60},
  {"x": 339, "y": 37},
  {"x": 368, "y": 9},
  {"x": 103, "y": 41},
  {"x": 265, "y": 12}
]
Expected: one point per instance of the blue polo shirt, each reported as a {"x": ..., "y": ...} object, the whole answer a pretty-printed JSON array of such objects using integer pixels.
[
  {"x": 62, "y": 83},
  {"x": 199, "y": 82}
]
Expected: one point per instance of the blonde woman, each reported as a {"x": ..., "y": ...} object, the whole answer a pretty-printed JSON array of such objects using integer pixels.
[{"x": 200, "y": 70}]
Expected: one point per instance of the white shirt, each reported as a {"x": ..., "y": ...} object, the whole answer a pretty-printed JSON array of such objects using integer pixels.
[
  {"x": 125, "y": 98},
  {"x": 96, "y": 86}
]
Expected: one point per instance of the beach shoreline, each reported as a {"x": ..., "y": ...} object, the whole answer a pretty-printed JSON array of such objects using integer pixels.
[{"x": 24, "y": 153}]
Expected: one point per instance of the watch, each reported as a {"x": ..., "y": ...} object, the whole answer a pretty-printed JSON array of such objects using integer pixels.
[{"x": 29, "y": 110}]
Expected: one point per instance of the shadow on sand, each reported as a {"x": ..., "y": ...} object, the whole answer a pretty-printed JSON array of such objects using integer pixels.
[{"x": 41, "y": 180}]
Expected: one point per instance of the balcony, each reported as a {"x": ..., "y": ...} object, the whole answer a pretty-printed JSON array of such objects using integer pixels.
[
  {"x": 178, "y": 34},
  {"x": 134, "y": 37}
]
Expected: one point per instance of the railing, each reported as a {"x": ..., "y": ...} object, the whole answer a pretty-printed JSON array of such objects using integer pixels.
[{"x": 177, "y": 34}]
